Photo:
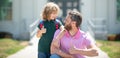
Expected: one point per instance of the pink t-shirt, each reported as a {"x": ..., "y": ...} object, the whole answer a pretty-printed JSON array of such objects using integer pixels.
[{"x": 79, "y": 41}]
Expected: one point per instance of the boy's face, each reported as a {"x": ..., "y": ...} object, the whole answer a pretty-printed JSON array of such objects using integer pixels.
[{"x": 53, "y": 15}]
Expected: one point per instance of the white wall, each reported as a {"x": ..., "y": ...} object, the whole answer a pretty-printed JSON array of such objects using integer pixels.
[
  {"x": 105, "y": 9},
  {"x": 86, "y": 13},
  {"x": 29, "y": 12},
  {"x": 12, "y": 25},
  {"x": 25, "y": 12},
  {"x": 102, "y": 9},
  {"x": 26, "y": 15},
  {"x": 40, "y": 5},
  {"x": 114, "y": 25}
]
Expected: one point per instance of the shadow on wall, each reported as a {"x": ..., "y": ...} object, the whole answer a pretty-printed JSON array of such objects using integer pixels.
[
  {"x": 5, "y": 35},
  {"x": 114, "y": 37}
]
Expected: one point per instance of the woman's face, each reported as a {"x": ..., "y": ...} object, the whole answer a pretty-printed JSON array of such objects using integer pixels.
[
  {"x": 68, "y": 23},
  {"x": 53, "y": 15}
]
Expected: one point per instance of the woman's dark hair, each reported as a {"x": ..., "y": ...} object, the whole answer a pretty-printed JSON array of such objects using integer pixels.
[{"x": 75, "y": 16}]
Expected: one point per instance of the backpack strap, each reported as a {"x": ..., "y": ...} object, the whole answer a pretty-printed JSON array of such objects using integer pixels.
[
  {"x": 57, "y": 24},
  {"x": 41, "y": 24}
]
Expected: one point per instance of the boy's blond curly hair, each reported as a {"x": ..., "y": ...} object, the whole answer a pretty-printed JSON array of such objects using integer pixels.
[{"x": 48, "y": 9}]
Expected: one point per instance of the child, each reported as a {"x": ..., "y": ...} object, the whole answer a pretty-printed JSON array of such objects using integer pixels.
[{"x": 47, "y": 28}]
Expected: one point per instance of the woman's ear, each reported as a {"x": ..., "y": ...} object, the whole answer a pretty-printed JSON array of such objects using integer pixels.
[{"x": 74, "y": 23}]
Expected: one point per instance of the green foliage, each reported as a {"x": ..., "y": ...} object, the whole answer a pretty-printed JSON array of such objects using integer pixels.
[
  {"x": 3, "y": 2},
  {"x": 112, "y": 48},
  {"x": 8, "y": 47}
]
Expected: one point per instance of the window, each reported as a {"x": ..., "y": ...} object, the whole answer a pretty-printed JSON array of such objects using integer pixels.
[
  {"x": 75, "y": 4},
  {"x": 118, "y": 10},
  {"x": 66, "y": 5},
  {"x": 69, "y": 4},
  {"x": 60, "y": 4},
  {"x": 6, "y": 10}
]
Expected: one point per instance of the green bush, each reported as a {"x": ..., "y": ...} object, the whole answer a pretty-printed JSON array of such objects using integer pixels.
[
  {"x": 9, "y": 46},
  {"x": 112, "y": 48}
]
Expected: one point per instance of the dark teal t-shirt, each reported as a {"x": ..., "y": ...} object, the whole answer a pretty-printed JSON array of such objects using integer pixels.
[{"x": 46, "y": 39}]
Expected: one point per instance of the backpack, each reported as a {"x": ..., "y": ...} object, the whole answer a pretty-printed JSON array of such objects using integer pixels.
[{"x": 56, "y": 24}]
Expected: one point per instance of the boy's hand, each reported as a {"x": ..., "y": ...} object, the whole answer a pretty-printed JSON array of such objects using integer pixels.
[
  {"x": 43, "y": 30},
  {"x": 40, "y": 31}
]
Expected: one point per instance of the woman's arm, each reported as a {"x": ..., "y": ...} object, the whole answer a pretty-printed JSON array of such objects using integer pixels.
[
  {"x": 64, "y": 55},
  {"x": 86, "y": 52},
  {"x": 58, "y": 37},
  {"x": 56, "y": 50}
]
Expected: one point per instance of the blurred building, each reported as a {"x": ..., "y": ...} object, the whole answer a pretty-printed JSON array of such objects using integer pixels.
[{"x": 100, "y": 17}]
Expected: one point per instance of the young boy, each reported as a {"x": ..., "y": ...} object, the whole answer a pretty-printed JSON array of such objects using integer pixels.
[{"x": 47, "y": 28}]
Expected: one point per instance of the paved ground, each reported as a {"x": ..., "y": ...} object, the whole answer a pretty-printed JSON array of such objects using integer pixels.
[
  {"x": 28, "y": 52},
  {"x": 31, "y": 51}
]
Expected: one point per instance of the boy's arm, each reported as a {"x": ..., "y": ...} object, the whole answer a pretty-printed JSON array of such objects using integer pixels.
[
  {"x": 39, "y": 34},
  {"x": 62, "y": 27}
]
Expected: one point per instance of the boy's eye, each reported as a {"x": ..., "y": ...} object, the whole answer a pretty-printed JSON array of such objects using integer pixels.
[{"x": 54, "y": 13}]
